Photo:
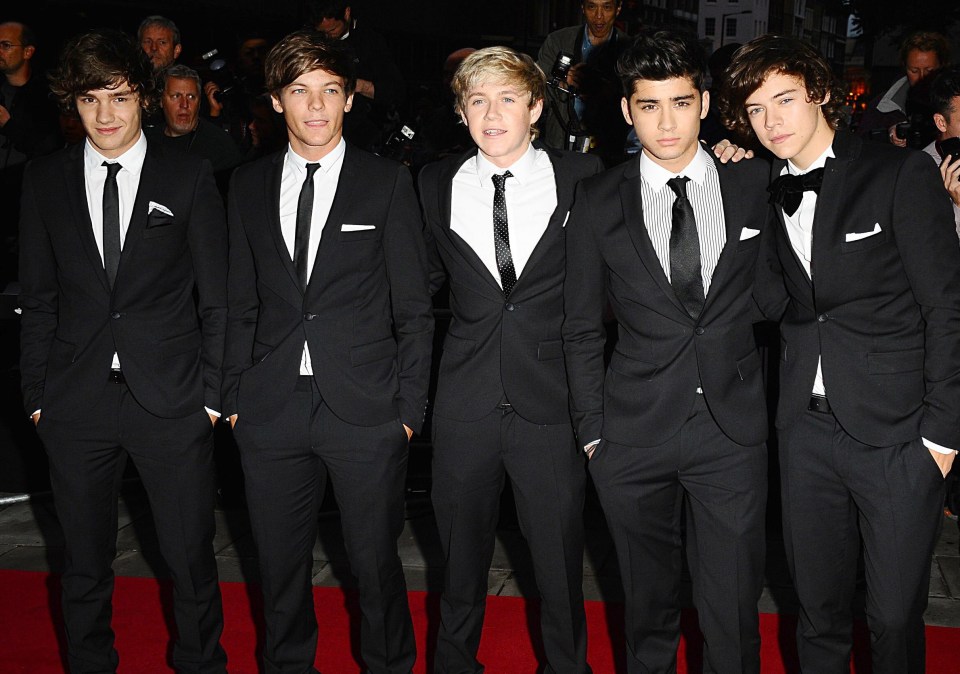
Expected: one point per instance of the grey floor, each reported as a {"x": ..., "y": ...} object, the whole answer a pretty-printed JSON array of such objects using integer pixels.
[{"x": 30, "y": 539}]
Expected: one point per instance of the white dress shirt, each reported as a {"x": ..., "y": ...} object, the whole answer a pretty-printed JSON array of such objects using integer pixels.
[
  {"x": 800, "y": 231},
  {"x": 128, "y": 180},
  {"x": 531, "y": 198},
  {"x": 703, "y": 191},
  {"x": 325, "y": 180}
]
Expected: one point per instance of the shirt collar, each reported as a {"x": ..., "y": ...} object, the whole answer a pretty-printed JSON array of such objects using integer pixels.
[
  {"x": 656, "y": 176},
  {"x": 521, "y": 169},
  {"x": 299, "y": 165},
  {"x": 819, "y": 162},
  {"x": 131, "y": 160}
]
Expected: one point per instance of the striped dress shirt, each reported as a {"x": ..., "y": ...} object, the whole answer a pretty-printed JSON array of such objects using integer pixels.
[{"x": 703, "y": 190}]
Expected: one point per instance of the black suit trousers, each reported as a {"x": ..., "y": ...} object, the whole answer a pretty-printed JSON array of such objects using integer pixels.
[
  {"x": 837, "y": 493},
  {"x": 286, "y": 463},
  {"x": 175, "y": 460},
  {"x": 470, "y": 462},
  {"x": 723, "y": 488}
]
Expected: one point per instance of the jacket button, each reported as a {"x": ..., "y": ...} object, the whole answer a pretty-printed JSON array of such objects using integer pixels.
[
  {"x": 114, "y": 314},
  {"x": 823, "y": 318},
  {"x": 309, "y": 317},
  {"x": 509, "y": 306},
  {"x": 699, "y": 330}
]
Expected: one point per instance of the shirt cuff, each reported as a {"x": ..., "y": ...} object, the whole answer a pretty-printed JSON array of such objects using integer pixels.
[
  {"x": 590, "y": 445},
  {"x": 940, "y": 449},
  {"x": 35, "y": 413},
  {"x": 213, "y": 412}
]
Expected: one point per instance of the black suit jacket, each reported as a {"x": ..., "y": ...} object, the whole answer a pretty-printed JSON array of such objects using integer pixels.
[
  {"x": 496, "y": 348},
  {"x": 647, "y": 393},
  {"x": 883, "y": 310},
  {"x": 366, "y": 313},
  {"x": 166, "y": 313}
]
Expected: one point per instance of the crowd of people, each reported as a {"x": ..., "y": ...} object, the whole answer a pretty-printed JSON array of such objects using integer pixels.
[{"x": 187, "y": 261}]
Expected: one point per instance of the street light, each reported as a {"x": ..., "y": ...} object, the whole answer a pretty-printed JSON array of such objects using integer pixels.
[{"x": 723, "y": 22}]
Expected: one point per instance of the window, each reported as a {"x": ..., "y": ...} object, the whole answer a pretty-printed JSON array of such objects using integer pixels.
[
  {"x": 710, "y": 26},
  {"x": 731, "y": 30}
]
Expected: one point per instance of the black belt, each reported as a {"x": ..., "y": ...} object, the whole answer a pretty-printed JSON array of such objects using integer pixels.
[
  {"x": 116, "y": 377},
  {"x": 819, "y": 404}
]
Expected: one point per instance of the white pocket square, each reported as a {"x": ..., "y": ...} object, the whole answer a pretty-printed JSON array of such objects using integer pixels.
[
  {"x": 356, "y": 228},
  {"x": 856, "y": 236},
  {"x": 747, "y": 233},
  {"x": 154, "y": 206}
]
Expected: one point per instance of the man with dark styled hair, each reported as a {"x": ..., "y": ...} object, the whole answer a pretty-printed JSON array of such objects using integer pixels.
[
  {"x": 945, "y": 101},
  {"x": 863, "y": 271},
  {"x": 380, "y": 88},
  {"x": 327, "y": 362},
  {"x": 676, "y": 425},
  {"x": 123, "y": 261},
  {"x": 159, "y": 38},
  {"x": 496, "y": 218}
]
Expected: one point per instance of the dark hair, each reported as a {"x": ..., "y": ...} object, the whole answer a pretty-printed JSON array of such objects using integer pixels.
[
  {"x": 943, "y": 89},
  {"x": 926, "y": 41},
  {"x": 163, "y": 22},
  {"x": 769, "y": 54},
  {"x": 315, "y": 11},
  {"x": 102, "y": 59},
  {"x": 661, "y": 55},
  {"x": 305, "y": 51}
]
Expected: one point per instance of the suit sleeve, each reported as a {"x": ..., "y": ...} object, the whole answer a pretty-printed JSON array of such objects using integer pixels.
[
  {"x": 207, "y": 236},
  {"x": 39, "y": 296},
  {"x": 407, "y": 272},
  {"x": 428, "y": 180},
  {"x": 926, "y": 239},
  {"x": 243, "y": 304},
  {"x": 584, "y": 299}
]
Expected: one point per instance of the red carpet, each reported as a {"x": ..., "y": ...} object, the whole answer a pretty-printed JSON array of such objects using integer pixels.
[{"x": 30, "y": 640}]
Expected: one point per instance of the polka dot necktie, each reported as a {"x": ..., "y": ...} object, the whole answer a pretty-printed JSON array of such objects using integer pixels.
[
  {"x": 685, "y": 276},
  {"x": 501, "y": 234},
  {"x": 111, "y": 222},
  {"x": 301, "y": 239}
]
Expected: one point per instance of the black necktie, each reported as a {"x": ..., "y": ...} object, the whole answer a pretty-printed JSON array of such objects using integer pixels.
[
  {"x": 685, "y": 251},
  {"x": 787, "y": 190},
  {"x": 111, "y": 222},
  {"x": 301, "y": 240},
  {"x": 501, "y": 234}
]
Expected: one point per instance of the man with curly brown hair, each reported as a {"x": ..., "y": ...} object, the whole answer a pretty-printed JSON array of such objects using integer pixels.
[
  {"x": 862, "y": 269},
  {"x": 123, "y": 264}
]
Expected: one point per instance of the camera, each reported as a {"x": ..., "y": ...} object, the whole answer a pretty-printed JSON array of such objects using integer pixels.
[
  {"x": 558, "y": 73},
  {"x": 228, "y": 82}
]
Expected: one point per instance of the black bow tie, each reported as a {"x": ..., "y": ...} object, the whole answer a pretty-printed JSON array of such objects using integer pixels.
[{"x": 787, "y": 190}]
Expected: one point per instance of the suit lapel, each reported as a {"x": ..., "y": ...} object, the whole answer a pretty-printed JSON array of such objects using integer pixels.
[
  {"x": 797, "y": 268},
  {"x": 351, "y": 175},
  {"x": 632, "y": 203},
  {"x": 77, "y": 196},
  {"x": 734, "y": 217},
  {"x": 272, "y": 177},
  {"x": 445, "y": 206},
  {"x": 829, "y": 199},
  {"x": 149, "y": 175},
  {"x": 565, "y": 185}
]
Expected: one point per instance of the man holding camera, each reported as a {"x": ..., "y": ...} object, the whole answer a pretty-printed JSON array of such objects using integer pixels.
[
  {"x": 945, "y": 150},
  {"x": 906, "y": 100},
  {"x": 582, "y": 106}
]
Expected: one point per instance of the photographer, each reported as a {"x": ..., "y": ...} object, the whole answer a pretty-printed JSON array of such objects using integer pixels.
[
  {"x": 945, "y": 100},
  {"x": 906, "y": 101},
  {"x": 582, "y": 107}
]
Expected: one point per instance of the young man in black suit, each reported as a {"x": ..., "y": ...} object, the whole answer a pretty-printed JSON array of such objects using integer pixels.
[
  {"x": 864, "y": 269},
  {"x": 496, "y": 219},
  {"x": 327, "y": 362},
  {"x": 123, "y": 269},
  {"x": 677, "y": 421}
]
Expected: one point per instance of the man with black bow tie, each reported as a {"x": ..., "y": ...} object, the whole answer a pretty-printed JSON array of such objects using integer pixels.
[{"x": 863, "y": 269}]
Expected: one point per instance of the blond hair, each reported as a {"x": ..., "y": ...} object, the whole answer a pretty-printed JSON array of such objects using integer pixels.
[{"x": 498, "y": 64}]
